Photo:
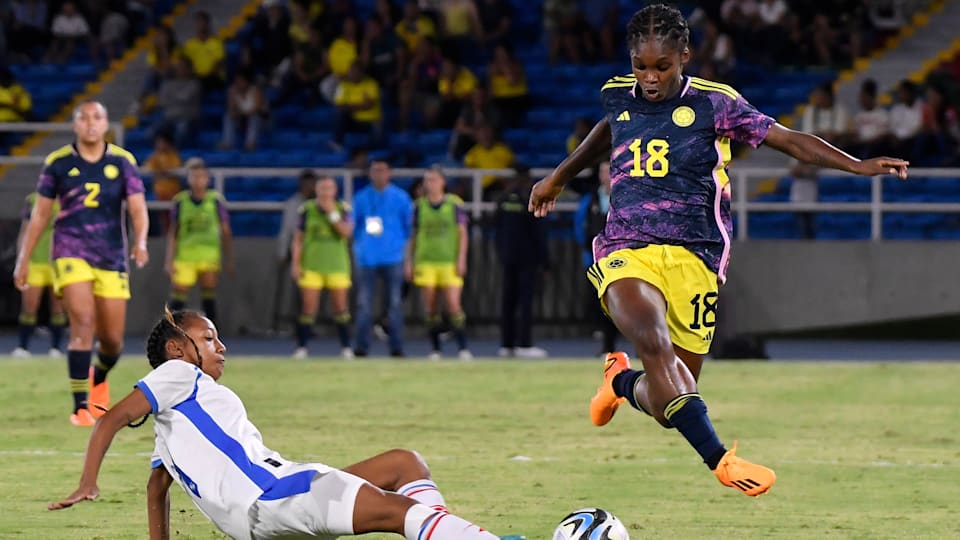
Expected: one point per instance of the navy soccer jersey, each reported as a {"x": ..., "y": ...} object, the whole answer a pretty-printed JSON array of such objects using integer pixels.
[
  {"x": 668, "y": 167},
  {"x": 90, "y": 225}
]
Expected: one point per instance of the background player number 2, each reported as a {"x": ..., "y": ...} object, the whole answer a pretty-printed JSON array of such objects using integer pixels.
[
  {"x": 93, "y": 189},
  {"x": 656, "y": 164}
]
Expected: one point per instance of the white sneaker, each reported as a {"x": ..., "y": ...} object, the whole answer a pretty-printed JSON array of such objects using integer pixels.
[
  {"x": 55, "y": 353},
  {"x": 434, "y": 356},
  {"x": 531, "y": 352},
  {"x": 465, "y": 355},
  {"x": 380, "y": 332},
  {"x": 300, "y": 353},
  {"x": 346, "y": 353},
  {"x": 20, "y": 352},
  {"x": 505, "y": 352}
]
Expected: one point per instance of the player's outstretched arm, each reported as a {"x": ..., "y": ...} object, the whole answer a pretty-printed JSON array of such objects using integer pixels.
[
  {"x": 130, "y": 408},
  {"x": 38, "y": 221},
  {"x": 546, "y": 191},
  {"x": 158, "y": 503},
  {"x": 812, "y": 149}
]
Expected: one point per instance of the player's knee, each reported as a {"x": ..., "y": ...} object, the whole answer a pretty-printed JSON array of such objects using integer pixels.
[
  {"x": 410, "y": 464},
  {"x": 111, "y": 345},
  {"x": 82, "y": 322}
]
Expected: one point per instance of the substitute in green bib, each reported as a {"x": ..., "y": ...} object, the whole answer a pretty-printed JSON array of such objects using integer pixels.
[
  {"x": 439, "y": 246},
  {"x": 199, "y": 232},
  {"x": 39, "y": 279},
  {"x": 320, "y": 260}
]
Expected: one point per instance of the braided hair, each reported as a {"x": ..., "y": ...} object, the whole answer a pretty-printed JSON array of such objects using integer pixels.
[
  {"x": 170, "y": 326},
  {"x": 659, "y": 21}
]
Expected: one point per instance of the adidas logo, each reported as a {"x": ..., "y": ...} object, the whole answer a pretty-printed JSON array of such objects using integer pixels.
[
  {"x": 74, "y": 172},
  {"x": 709, "y": 336},
  {"x": 624, "y": 117}
]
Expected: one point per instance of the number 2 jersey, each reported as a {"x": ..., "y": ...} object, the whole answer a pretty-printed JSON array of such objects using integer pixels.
[
  {"x": 90, "y": 224},
  {"x": 668, "y": 167}
]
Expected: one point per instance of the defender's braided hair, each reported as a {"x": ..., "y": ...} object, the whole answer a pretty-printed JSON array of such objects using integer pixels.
[
  {"x": 167, "y": 328},
  {"x": 659, "y": 21}
]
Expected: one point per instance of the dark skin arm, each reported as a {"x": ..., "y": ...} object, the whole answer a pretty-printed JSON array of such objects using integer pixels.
[
  {"x": 593, "y": 147},
  {"x": 814, "y": 150},
  {"x": 158, "y": 503},
  {"x": 130, "y": 408},
  {"x": 39, "y": 218}
]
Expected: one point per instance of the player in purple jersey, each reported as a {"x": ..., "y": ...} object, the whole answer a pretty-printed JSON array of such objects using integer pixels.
[
  {"x": 664, "y": 250},
  {"x": 91, "y": 180}
]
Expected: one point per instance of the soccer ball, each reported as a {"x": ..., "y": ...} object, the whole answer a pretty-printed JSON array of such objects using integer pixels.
[{"x": 590, "y": 524}]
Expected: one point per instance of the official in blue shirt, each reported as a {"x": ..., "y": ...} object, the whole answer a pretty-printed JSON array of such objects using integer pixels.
[{"x": 383, "y": 214}]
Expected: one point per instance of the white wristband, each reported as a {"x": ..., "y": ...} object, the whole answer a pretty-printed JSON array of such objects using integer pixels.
[{"x": 334, "y": 216}]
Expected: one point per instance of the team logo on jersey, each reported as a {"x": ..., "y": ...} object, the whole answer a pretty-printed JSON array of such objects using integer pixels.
[
  {"x": 111, "y": 172},
  {"x": 624, "y": 117},
  {"x": 683, "y": 116},
  {"x": 74, "y": 172},
  {"x": 613, "y": 264}
]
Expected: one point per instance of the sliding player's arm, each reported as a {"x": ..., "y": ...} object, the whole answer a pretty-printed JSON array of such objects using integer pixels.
[
  {"x": 812, "y": 149},
  {"x": 158, "y": 503},
  {"x": 593, "y": 146},
  {"x": 130, "y": 408}
]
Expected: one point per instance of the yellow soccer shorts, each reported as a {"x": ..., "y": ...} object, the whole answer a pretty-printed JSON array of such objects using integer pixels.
[
  {"x": 40, "y": 275},
  {"x": 436, "y": 275},
  {"x": 186, "y": 273},
  {"x": 106, "y": 283},
  {"x": 319, "y": 280},
  {"x": 689, "y": 287}
]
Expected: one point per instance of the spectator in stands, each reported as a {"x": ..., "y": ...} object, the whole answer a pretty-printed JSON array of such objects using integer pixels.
[
  {"x": 581, "y": 127},
  {"x": 206, "y": 53},
  {"x": 871, "y": 124},
  {"x": 771, "y": 21},
  {"x": 716, "y": 49},
  {"x": 419, "y": 87},
  {"x": 160, "y": 57},
  {"x": 941, "y": 131},
  {"x": 829, "y": 121},
  {"x": 162, "y": 163},
  {"x": 414, "y": 26},
  {"x": 796, "y": 47},
  {"x": 15, "y": 101},
  {"x": 180, "y": 97},
  {"x": 488, "y": 153},
  {"x": 308, "y": 68},
  {"x": 460, "y": 28},
  {"x": 114, "y": 28},
  {"x": 906, "y": 119},
  {"x": 478, "y": 112},
  {"x": 508, "y": 86},
  {"x": 300, "y": 23},
  {"x": 334, "y": 14},
  {"x": 343, "y": 53},
  {"x": 455, "y": 86},
  {"x": 358, "y": 107},
  {"x": 565, "y": 31},
  {"x": 589, "y": 221},
  {"x": 27, "y": 28},
  {"x": 68, "y": 28},
  {"x": 383, "y": 55},
  {"x": 495, "y": 21},
  {"x": 271, "y": 34},
  {"x": 383, "y": 215},
  {"x": 825, "y": 41},
  {"x": 247, "y": 109},
  {"x": 521, "y": 243},
  {"x": 602, "y": 19}
]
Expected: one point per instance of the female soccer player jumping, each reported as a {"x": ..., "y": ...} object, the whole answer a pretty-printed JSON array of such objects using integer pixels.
[
  {"x": 666, "y": 244},
  {"x": 205, "y": 442}
]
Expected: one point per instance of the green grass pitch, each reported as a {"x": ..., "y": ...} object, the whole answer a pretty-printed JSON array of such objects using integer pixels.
[{"x": 862, "y": 451}]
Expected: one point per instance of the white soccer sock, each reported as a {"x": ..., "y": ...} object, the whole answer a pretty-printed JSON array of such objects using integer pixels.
[
  {"x": 424, "y": 523},
  {"x": 424, "y": 492}
]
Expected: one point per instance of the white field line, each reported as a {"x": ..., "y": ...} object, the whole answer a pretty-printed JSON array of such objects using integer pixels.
[{"x": 545, "y": 459}]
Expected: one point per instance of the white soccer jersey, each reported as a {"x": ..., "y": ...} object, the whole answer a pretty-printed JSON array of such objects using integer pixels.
[{"x": 206, "y": 443}]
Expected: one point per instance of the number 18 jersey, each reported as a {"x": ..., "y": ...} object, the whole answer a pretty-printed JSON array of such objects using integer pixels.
[{"x": 668, "y": 167}]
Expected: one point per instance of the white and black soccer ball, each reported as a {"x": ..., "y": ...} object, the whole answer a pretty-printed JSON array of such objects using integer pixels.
[{"x": 590, "y": 524}]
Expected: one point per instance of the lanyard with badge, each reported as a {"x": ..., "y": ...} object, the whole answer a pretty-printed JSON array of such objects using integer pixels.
[{"x": 374, "y": 224}]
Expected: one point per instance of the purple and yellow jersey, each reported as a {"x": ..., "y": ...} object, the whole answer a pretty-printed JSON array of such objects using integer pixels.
[
  {"x": 90, "y": 224},
  {"x": 668, "y": 167}
]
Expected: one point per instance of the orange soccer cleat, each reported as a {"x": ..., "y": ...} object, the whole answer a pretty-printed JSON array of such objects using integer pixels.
[
  {"x": 750, "y": 478},
  {"x": 605, "y": 402},
  {"x": 82, "y": 418},
  {"x": 99, "y": 400}
]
